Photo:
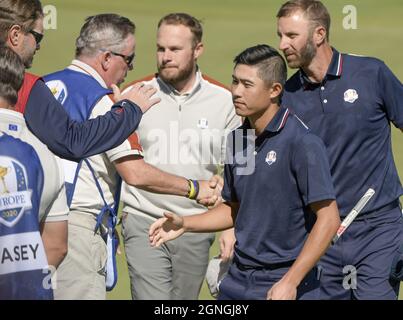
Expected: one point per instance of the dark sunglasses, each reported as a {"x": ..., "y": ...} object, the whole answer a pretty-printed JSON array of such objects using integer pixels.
[
  {"x": 38, "y": 36},
  {"x": 127, "y": 59}
]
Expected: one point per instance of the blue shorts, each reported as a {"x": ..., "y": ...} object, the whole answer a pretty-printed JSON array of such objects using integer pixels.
[
  {"x": 359, "y": 265},
  {"x": 254, "y": 284}
]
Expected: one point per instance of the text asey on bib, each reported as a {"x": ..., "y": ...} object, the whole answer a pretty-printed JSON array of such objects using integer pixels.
[{"x": 22, "y": 252}]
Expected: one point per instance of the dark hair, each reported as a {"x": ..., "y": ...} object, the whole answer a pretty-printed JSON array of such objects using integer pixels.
[
  {"x": 103, "y": 31},
  {"x": 315, "y": 11},
  {"x": 271, "y": 65},
  {"x": 11, "y": 74},
  {"x": 186, "y": 20},
  {"x": 18, "y": 12}
]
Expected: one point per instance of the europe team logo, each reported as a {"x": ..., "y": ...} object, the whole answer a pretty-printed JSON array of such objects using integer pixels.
[
  {"x": 58, "y": 89},
  {"x": 15, "y": 197}
]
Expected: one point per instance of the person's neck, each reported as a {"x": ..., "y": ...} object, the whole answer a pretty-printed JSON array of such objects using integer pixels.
[
  {"x": 93, "y": 63},
  {"x": 185, "y": 85},
  {"x": 4, "y": 104},
  {"x": 260, "y": 121},
  {"x": 317, "y": 69},
  {"x": 90, "y": 61}
]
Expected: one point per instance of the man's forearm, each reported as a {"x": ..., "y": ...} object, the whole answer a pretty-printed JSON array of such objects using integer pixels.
[
  {"x": 54, "y": 238},
  {"x": 158, "y": 181},
  {"x": 217, "y": 219},
  {"x": 136, "y": 172}
]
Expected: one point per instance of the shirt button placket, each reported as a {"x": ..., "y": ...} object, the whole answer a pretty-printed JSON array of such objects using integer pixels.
[{"x": 323, "y": 98}]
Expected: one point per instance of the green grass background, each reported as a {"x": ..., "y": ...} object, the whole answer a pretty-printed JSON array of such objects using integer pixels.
[{"x": 229, "y": 27}]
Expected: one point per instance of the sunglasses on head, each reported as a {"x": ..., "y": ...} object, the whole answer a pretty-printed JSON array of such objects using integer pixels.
[{"x": 38, "y": 36}]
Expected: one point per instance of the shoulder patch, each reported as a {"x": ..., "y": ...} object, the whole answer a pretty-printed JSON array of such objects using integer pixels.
[
  {"x": 58, "y": 89},
  {"x": 215, "y": 82}
]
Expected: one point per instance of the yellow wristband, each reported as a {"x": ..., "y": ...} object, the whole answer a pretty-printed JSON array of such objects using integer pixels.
[{"x": 192, "y": 190}]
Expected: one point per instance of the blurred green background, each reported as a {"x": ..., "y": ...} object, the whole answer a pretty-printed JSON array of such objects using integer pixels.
[{"x": 229, "y": 27}]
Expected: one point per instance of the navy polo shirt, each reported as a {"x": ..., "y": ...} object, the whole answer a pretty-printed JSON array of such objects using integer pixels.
[
  {"x": 351, "y": 110},
  {"x": 291, "y": 171}
]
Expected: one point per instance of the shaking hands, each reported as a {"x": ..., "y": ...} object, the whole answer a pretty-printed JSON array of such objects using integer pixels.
[{"x": 210, "y": 191}]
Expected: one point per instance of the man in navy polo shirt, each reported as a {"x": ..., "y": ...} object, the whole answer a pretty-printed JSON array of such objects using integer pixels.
[
  {"x": 272, "y": 196},
  {"x": 349, "y": 102}
]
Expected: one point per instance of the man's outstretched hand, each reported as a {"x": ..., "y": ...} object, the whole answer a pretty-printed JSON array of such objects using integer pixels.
[{"x": 164, "y": 229}]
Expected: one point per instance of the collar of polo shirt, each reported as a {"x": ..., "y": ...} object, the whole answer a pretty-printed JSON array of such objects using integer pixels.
[{"x": 334, "y": 70}]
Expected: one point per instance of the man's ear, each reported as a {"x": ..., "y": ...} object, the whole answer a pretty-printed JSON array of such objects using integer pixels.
[
  {"x": 106, "y": 60},
  {"x": 14, "y": 35},
  {"x": 198, "y": 51},
  {"x": 276, "y": 90},
  {"x": 319, "y": 35}
]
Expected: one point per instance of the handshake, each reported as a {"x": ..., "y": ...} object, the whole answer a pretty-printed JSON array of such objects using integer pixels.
[{"x": 209, "y": 191}]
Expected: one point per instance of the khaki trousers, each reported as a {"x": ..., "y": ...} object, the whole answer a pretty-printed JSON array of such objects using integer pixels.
[{"x": 81, "y": 275}]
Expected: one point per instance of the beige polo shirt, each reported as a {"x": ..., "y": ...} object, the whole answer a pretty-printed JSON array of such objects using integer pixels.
[{"x": 184, "y": 135}]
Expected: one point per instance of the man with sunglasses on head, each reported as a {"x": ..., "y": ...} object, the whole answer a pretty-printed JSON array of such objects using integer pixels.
[
  {"x": 21, "y": 29},
  {"x": 104, "y": 54}
]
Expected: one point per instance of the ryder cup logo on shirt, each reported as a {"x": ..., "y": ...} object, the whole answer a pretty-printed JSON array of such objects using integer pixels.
[
  {"x": 15, "y": 197},
  {"x": 271, "y": 157},
  {"x": 350, "y": 95},
  {"x": 202, "y": 123},
  {"x": 58, "y": 89}
]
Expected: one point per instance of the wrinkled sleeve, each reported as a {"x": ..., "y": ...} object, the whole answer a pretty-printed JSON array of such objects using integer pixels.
[
  {"x": 391, "y": 91},
  {"x": 73, "y": 140}
]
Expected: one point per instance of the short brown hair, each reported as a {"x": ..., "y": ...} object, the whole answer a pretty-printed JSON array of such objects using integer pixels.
[
  {"x": 18, "y": 12},
  {"x": 186, "y": 20},
  {"x": 11, "y": 74},
  {"x": 315, "y": 11}
]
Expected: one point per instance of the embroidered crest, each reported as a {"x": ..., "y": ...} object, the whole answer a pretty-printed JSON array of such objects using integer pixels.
[
  {"x": 350, "y": 95},
  {"x": 202, "y": 123},
  {"x": 271, "y": 157}
]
